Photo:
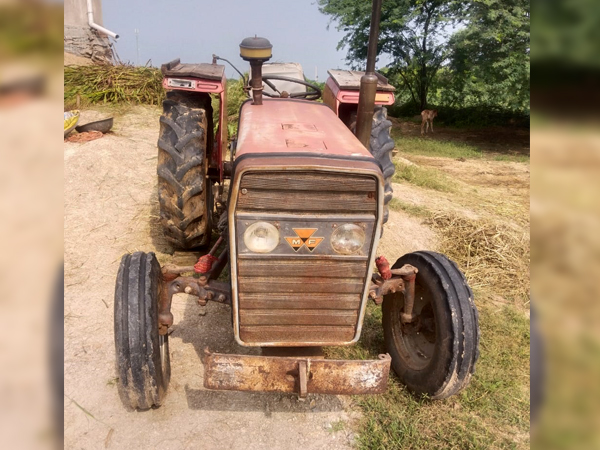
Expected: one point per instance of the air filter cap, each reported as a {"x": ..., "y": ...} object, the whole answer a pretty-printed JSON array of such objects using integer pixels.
[{"x": 255, "y": 49}]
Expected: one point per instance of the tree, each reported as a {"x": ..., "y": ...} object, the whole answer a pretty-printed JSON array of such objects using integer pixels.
[
  {"x": 490, "y": 62},
  {"x": 412, "y": 36}
]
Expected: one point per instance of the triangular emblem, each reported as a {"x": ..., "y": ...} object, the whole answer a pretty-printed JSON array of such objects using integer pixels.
[{"x": 304, "y": 237}]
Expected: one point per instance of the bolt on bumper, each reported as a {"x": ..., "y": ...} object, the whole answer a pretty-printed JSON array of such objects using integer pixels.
[{"x": 299, "y": 375}]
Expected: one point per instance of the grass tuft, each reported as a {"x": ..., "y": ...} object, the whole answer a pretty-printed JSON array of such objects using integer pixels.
[
  {"x": 423, "y": 177},
  {"x": 414, "y": 210},
  {"x": 430, "y": 147},
  {"x": 512, "y": 158},
  {"x": 337, "y": 426}
]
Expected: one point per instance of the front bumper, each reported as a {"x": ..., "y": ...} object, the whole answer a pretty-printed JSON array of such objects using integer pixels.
[{"x": 300, "y": 375}]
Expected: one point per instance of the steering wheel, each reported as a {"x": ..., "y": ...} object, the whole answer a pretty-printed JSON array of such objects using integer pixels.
[{"x": 313, "y": 93}]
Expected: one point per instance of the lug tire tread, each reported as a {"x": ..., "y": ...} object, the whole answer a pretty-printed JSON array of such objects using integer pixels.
[{"x": 183, "y": 143}]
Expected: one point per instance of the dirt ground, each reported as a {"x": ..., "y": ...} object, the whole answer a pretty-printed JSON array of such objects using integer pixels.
[{"x": 111, "y": 209}]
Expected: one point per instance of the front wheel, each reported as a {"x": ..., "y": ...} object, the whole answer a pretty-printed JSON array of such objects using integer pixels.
[
  {"x": 436, "y": 353},
  {"x": 142, "y": 354}
]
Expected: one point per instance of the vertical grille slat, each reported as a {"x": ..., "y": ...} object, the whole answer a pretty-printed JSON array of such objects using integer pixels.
[{"x": 311, "y": 299}]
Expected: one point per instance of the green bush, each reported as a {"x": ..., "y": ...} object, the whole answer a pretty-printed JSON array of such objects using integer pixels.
[{"x": 472, "y": 116}]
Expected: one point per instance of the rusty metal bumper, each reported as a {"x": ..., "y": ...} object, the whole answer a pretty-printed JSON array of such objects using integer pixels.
[{"x": 300, "y": 375}]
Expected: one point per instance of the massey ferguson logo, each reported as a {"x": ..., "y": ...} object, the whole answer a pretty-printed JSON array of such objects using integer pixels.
[{"x": 304, "y": 237}]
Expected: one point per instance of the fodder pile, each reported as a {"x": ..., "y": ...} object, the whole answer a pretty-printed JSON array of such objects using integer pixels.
[
  {"x": 113, "y": 84},
  {"x": 492, "y": 255}
]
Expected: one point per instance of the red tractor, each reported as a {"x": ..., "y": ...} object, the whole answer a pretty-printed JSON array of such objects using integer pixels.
[{"x": 308, "y": 188}]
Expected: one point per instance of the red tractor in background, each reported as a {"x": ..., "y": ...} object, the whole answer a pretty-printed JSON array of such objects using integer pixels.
[{"x": 308, "y": 188}]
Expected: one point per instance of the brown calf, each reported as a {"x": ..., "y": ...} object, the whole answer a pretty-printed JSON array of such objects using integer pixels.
[{"x": 428, "y": 115}]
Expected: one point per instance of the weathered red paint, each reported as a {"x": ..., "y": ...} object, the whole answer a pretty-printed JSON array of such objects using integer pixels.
[
  {"x": 295, "y": 126},
  {"x": 205, "y": 263},
  {"x": 351, "y": 96},
  {"x": 213, "y": 87},
  {"x": 383, "y": 266}
]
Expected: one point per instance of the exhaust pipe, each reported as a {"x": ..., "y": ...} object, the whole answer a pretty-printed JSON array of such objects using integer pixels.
[
  {"x": 256, "y": 51},
  {"x": 94, "y": 25},
  {"x": 368, "y": 82}
]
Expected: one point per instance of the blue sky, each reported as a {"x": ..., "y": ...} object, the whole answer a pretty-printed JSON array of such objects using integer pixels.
[{"x": 195, "y": 29}]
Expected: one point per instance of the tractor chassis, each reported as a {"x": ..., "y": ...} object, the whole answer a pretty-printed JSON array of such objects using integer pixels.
[
  {"x": 299, "y": 374},
  {"x": 206, "y": 288},
  {"x": 202, "y": 285}
]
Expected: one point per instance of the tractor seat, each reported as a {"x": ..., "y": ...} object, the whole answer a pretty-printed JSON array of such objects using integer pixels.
[{"x": 289, "y": 70}]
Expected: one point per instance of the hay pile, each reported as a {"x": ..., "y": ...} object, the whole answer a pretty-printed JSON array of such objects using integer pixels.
[
  {"x": 492, "y": 255},
  {"x": 113, "y": 84}
]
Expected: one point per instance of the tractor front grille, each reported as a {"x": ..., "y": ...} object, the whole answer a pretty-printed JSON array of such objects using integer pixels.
[{"x": 302, "y": 297}]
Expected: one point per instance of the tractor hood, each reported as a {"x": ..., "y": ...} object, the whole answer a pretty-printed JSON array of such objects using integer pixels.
[
  {"x": 295, "y": 127},
  {"x": 300, "y": 170}
]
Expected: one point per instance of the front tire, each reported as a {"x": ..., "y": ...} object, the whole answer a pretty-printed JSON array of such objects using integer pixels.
[
  {"x": 142, "y": 354},
  {"x": 435, "y": 354}
]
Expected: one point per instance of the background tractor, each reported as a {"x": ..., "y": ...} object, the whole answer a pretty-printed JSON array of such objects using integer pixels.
[{"x": 308, "y": 188}]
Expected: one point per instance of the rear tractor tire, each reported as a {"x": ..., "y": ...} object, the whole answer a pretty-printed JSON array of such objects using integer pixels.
[
  {"x": 184, "y": 193},
  {"x": 381, "y": 146},
  {"x": 436, "y": 353},
  {"x": 143, "y": 363}
]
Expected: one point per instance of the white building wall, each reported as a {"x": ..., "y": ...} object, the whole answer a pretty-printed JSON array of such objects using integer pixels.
[{"x": 80, "y": 39}]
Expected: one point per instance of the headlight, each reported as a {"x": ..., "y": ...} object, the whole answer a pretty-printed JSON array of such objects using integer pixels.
[
  {"x": 261, "y": 237},
  {"x": 348, "y": 239}
]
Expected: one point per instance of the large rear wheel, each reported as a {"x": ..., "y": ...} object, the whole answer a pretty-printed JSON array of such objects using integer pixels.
[
  {"x": 143, "y": 362},
  {"x": 184, "y": 194},
  {"x": 381, "y": 146},
  {"x": 436, "y": 353}
]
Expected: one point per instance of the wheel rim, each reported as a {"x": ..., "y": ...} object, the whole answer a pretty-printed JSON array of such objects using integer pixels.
[{"x": 417, "y": 340}]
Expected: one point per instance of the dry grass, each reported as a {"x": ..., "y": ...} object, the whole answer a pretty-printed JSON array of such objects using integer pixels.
[
  {"x": 493, "y": 256},
  {"x": 122, "y": 85},
  {"x": 112, "y": 84}
]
